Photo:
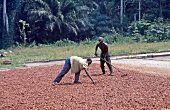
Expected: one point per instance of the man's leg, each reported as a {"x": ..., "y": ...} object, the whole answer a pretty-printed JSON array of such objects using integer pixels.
[
  {"x": 102, "y": 65},
  {"x": 65, "y": 69},
  {"x": 109, "y": 65},
  {"x": 76, "y": 80}
]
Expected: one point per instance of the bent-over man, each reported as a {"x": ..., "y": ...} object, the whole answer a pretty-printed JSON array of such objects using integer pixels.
[{"x": 76, "y": 64}]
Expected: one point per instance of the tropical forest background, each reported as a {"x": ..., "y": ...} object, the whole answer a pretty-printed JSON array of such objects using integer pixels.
[{"x": 48, "y": 21}]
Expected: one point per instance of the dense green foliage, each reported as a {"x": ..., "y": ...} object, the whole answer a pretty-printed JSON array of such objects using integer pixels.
[{"x": 48, "y": 21}]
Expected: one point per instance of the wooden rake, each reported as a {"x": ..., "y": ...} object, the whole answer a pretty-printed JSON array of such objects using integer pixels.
[{"x": 122, "y": 74}]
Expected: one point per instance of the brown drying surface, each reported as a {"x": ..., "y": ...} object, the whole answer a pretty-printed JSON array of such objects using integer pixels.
[{"x": 31, "y": 89}]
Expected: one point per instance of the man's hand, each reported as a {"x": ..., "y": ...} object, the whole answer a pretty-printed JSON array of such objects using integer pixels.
[
  {"x": 95, "y": 54},
  {"x": 93, "y": 82},
  {"x": 88, "y": 74},
  {"x": 104, "y": 56}
]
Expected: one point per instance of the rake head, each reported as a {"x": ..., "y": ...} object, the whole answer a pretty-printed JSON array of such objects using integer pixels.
[{"x": 123, "y": 74}]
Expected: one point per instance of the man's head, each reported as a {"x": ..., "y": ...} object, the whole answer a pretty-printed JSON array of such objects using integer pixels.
[
  {"x": 89, "y": 61},
  {"x": 100, "y": 39}
]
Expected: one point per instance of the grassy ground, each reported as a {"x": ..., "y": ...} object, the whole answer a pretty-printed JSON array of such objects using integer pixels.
[{"x": 21, "y": 54}]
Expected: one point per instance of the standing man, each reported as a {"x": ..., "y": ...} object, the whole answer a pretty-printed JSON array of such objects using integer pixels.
[
  {"x": 76, "y": 64},
  {"x": 104, "y": 55}
]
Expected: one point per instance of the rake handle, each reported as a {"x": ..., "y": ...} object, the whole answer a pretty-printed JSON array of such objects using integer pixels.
[{"x": 112, "y": 65}]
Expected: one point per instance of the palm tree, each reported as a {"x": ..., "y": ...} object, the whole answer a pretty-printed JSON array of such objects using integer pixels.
[{"x": 49, "y": 20}]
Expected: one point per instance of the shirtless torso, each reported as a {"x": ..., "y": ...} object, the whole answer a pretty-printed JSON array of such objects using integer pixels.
[{"x": 103, "y": 46}]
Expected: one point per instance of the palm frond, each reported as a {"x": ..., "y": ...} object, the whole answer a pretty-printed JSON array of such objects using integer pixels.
[
  {"x": 82, "y": 8},
  {"x": 69, "y": 29},
  {"x": 42, "y": 4},
  {"x": 74, "y": 31},
  {"x": 80, "y": 23},
  {"x": 58, "y": 25},
  {"x": 67, "y": 8},
  {"x": 55, "y": 7},
  {"x": 37, "y": 14}
]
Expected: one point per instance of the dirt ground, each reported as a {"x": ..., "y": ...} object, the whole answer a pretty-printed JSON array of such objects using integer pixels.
[{"x": 31, "y": 89}]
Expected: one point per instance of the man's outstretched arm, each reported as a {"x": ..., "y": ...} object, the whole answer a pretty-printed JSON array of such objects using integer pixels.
[{"x": 88, "y": 74}]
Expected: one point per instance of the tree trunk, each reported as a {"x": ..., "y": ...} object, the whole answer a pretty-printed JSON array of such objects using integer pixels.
[
  {"x": 139, "y": 10},
  {"x": 5, "y": 17},
  {"x": 160, "y": 5},
  {"x": 5, "y": 34},
  {"x": 121, "y": 15}
]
